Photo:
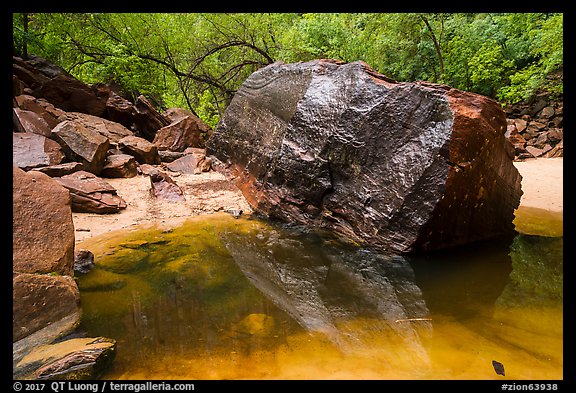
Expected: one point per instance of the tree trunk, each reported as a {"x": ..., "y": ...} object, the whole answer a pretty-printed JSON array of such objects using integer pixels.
[{"x": 437, "y": 46}]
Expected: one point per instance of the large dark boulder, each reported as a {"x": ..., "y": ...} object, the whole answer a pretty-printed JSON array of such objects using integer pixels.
[{"x": 403, "y": 167}]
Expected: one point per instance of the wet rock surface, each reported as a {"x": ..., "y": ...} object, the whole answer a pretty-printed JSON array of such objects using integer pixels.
[
  {"x": 73, "y": 359},
  {"x": 404, "y": 167}
]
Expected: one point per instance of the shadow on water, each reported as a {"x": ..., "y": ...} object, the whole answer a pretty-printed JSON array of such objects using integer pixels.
[
  {"x": 225, "y": 298},
  {"x": 498, "y": 301}
]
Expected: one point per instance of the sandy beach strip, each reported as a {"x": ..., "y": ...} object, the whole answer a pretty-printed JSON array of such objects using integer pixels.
[{"x": 542, "y": 183}]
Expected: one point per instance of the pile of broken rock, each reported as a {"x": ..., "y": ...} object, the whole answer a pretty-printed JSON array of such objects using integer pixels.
[
  {"x": 67, "y": 138},
  {"x": 536, "y": 127},
  {"x": 78, "y": 134}
]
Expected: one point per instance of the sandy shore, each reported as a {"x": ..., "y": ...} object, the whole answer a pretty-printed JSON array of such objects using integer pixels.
[
  {"x": 542, "y": 183},
  {"x": 209, "y": 192},
  {"x": 205, "y": 193}
]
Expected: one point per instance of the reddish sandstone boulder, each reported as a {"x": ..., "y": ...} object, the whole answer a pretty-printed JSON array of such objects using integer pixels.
[
  {"x": 28, "y": 121},
  {"x": 144, "y": 151},
  {"x": 42, "y": 228},
  {"x": 120, "y": 165},
  {"x": 186, "y": 132},
  {"x": 39, "y": 300},
  {"x": 82, "y": 144},
  {"x": 45, "y": 297},
  {"x": 40, "y": 106}
]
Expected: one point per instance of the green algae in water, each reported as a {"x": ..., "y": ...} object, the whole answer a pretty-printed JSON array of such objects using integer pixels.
[
  {"x": 182, "y": 293},
  {"x": 541, "y": 222}
]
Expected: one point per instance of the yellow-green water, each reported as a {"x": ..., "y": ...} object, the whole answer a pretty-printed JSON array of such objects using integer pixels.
[{"x": 194, "y": 302}]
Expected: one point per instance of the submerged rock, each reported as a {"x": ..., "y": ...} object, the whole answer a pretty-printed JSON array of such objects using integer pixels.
[
  {"x": 404, "y": 167},
  {"x": 73, "y": 359},
  {"x": 83, "y": 261}
]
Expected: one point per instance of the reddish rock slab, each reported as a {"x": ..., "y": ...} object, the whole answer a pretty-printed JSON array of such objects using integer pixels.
[
  {"x": 42, "y": 227},
  {"x": 111, "y": 130},
  {"x": 30, "y": 151},
  {"x": 28, "y": 121},
  {"x": 91, "y": 194},
  {"x": 60, "y": 170},
  {"x": 187, "y": 164}
]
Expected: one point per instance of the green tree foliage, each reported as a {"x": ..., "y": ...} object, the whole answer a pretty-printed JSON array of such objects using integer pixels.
[{"x": 199, "y": 60}]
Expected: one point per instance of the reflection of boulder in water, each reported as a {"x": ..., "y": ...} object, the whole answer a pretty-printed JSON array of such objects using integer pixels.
[
  {"x": 353, "y": 296},
  {"x": 530, "y": 309}
]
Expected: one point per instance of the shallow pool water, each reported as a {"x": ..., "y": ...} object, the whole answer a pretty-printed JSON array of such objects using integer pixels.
[{"x": 226, "y": 298}]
